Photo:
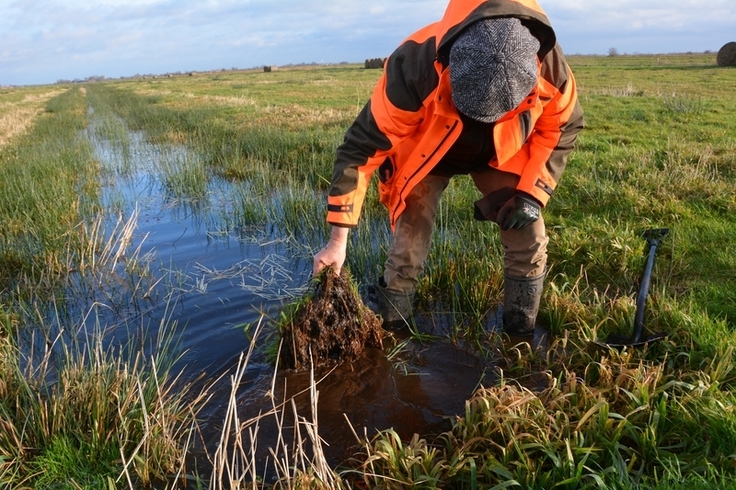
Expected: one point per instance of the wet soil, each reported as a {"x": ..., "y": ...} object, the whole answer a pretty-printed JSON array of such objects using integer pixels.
[
  {"x": 417, "y": 388},
  {"x": 330, "y": 324}
]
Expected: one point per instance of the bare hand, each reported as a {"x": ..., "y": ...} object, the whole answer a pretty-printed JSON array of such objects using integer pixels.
[{"x": 334, "y": 253}]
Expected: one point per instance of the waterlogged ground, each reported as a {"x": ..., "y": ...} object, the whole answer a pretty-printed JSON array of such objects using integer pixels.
[{"x": 193, "y": 267}]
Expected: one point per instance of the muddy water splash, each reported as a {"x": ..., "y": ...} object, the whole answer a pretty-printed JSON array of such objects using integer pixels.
[{"x": 212, "y": 277}]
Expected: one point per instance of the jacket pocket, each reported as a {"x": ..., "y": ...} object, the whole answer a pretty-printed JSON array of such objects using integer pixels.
[
  {"x": 386, "y": 173},
  {"x": 525, "y": 124}
]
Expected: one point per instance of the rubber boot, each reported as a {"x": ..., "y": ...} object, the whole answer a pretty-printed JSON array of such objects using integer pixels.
[
  {"x": 394, "y": 308},
  {"x": 521, "y": 304}
]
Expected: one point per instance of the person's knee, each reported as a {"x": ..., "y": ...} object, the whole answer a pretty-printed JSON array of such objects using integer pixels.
[{"x": 525, "y": 251}]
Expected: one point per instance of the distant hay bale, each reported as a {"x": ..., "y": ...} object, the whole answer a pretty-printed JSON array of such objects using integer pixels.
[
  {"x": 375, "y": 63},
  {"x": 727, "y": 55}
]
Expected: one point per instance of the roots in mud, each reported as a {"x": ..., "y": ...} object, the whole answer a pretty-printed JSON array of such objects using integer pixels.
[{"x": 330, "y": 324}]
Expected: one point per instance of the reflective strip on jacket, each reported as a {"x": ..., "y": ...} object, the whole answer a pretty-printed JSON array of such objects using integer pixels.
[{"x": 410, "y": 121}]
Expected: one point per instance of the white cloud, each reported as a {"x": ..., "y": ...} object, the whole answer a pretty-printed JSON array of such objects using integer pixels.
[
  {"x": 42, "y": 40},
  {"x": 653, "y": 26}
]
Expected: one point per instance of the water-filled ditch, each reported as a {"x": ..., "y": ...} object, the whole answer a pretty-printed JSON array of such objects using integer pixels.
[{"x": 212, "y": 276}]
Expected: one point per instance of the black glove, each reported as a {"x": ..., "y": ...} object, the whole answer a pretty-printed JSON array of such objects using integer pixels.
[
  {"x": 488, "y": 207},
  {"x": 518, "y": 212}
]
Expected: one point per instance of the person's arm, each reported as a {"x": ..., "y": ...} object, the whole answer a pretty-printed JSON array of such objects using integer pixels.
[
  {"x": 384, "y": 122},
  {"x": 392, "y": 114},
  {"x": 554, "y": 133}
]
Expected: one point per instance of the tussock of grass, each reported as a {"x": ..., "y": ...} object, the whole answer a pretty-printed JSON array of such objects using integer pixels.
[
  {"x": 602, "y": 419},
  {"x": 93, "y": 416},
  {"x": 329, "y": 324},
  {"x": 640, "y": 418}
]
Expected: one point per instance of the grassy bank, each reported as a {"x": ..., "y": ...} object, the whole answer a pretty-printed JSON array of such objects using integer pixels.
[
  {"x": 658, "y": 151},
  {"x": 75, "y": 410},
  {"x": 20, "y": 107}
]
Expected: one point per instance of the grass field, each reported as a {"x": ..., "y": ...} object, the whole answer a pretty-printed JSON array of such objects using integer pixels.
[{"x": 658, "y": 151}]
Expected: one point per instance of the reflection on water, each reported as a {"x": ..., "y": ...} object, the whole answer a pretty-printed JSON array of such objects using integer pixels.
[
  {"x": 419, "y": 391},
  {"x": 212, "y": 278},
  {"x": 375, "y": 394}
]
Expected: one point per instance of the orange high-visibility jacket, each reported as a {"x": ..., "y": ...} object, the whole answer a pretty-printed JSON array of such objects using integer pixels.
[{"x": 410, "y": 121}]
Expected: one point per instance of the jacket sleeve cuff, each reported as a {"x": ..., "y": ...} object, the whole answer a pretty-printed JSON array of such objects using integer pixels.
[{"x": 340, "y": 225}]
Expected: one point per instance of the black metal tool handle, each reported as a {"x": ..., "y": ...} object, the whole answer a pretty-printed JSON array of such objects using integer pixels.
[{"x": 654, "y": 237}]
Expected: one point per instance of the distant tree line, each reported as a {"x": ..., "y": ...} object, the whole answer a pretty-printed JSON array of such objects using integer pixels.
[{"x": 93, "y": 78}]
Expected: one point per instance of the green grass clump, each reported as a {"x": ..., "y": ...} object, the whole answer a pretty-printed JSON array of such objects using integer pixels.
[
  {"x": 109, "y": 414},
  {"x": 656, "y": 152},
  {"x": 49, "y": 184},
  {"x": 598, "y": 419},
  {"x": 275, "y": 150}
]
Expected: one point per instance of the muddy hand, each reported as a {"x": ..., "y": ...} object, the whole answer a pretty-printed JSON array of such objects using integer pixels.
[{"x": 334, "y": 253}]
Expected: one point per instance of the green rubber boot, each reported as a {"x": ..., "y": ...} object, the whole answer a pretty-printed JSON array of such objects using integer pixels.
[
  {"x": 521, "y": 304},
  {"x": 394, "y": 308}
]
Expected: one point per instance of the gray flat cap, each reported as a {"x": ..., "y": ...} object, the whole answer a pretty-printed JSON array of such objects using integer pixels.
[{"x": 493, "y": 66}]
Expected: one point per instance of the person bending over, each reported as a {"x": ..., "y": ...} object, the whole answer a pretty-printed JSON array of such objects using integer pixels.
[{"x": 486, "y": 91}]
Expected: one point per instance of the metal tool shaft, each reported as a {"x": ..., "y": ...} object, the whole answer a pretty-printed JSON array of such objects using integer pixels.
[{"x": 653, "y": 238}]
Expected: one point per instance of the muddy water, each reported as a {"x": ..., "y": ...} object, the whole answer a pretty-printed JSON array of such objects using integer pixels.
[
  {"x": 419, "y": 395},
  {"x": 213, "y": 279},
  {"x": 418, "y": 391}
]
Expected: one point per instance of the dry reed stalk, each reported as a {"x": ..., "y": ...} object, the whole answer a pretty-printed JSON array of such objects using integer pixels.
[
  {"x": 160, "y": 425},
  {"x": 234, "y": 462},
  {"x": 237, "y": 466},
  {"x": 112, "y": 249}
]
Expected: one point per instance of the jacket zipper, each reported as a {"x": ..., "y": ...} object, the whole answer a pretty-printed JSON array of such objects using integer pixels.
[{"x": 401, "y": 194}]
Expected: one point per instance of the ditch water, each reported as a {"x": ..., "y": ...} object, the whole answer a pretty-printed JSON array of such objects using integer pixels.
[{"x": 213, "y": 278}]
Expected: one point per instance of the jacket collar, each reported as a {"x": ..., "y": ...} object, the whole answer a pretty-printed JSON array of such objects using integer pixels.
[{"x": 461, "y": 13}]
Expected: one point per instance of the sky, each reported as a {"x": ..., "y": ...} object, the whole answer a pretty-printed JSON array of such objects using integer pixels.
[{"x": 43, "y": 41}]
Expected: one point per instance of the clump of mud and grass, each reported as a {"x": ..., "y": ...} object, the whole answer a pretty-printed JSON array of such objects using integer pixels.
[{"x": 329, "y": 324}]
